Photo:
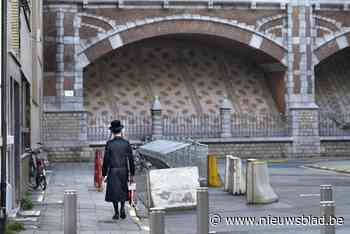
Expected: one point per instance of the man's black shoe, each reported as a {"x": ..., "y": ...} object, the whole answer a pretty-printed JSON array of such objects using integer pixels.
[
  {"x": 122, "y": 213},
  {"x": 116, "y": 216}
]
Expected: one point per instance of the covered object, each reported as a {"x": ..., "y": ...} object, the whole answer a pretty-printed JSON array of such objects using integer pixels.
[{"x": 178, "y": 154}]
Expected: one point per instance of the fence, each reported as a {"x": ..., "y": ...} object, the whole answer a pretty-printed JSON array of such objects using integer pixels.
[
  {"x": 135, "y": 127},
  {"x": 201, "y": 126},
  {"x": 262, "y": 125},
  {"x": 334, "y": 124},
  {"x": 195, "y": 127}
]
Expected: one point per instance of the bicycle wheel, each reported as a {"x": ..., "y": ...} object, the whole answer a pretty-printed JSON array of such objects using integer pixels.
[{"x": 43, "y": 183}]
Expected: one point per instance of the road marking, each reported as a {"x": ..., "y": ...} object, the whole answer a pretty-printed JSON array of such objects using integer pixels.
[{"x": 310, "y": 195}]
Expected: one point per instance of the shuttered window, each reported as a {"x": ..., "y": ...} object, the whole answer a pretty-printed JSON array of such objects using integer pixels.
[{"x": 14, "y": 24}]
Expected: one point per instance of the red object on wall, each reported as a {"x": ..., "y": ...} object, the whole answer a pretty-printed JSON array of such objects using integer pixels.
[{"x": 98, "y": 171}]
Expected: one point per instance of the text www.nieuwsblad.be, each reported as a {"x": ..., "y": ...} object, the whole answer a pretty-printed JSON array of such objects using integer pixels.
[{"x": 302, "y": 220}]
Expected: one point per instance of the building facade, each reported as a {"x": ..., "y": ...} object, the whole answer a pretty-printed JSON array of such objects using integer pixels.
[
  {"x": 110, "y": 59},
  {"x": 24, "y": 93}
]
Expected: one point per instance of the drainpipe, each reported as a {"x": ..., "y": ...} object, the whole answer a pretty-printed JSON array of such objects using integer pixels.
[{"x": 3, "y": 114}]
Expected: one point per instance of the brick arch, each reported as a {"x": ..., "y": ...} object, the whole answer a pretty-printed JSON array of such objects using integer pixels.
[
  {"x": 331, "y": 46},
  {"x": 180, "y": 24}
]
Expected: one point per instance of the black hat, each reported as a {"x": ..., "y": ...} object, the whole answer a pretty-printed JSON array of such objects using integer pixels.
[{"x": 116, "y": 126}]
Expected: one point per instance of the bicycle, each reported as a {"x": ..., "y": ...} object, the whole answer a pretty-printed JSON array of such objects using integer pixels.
[
  {"x": 141, "y": 163},
  {"x": 37, "y": 171}
]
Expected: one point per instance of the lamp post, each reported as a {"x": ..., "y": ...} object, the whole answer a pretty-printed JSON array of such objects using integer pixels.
[{"x": 3, "y": 114}]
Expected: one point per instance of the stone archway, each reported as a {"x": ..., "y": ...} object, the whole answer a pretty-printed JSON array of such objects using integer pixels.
[
  {"x": 332, "y": 45},
  {"x": 180, "y": 24}
]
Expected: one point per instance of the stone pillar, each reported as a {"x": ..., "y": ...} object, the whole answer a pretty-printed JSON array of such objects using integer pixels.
[
  {"x": 226, "y": 119},
  {"x": 64, "y": 117},
  {"x": 68, "y": 90},
  {"x": 303, "y": 111},
  {"x": 157, "y": 125},
  {"x": 306, "y": 139},
  {"x": 59, "y": 57}
]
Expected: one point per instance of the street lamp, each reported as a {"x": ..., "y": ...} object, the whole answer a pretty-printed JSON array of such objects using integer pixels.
[{"x": 3, "y": 114}]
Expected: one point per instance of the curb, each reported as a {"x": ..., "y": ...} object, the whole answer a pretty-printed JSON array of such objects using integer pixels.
[
  {"x": 328, "y": 168},
  {"x": 137, "y": 220}
]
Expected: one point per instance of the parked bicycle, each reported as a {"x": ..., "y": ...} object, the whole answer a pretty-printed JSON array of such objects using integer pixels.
[
  {"x": 141, "y": 163},
  {"x": 37, "y": 172}
]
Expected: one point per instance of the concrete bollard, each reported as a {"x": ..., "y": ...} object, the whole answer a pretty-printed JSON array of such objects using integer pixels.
[
  {"x": 202, "y": 210},
  {"x": 70, "y": 212},
  {"x": 157, "y": 224},
  {"x": 327, "y": 211},
  {"x": 326, "y": 192},
  {"x": 234, "y": 178},
  {"x": 258, "y": 188}
]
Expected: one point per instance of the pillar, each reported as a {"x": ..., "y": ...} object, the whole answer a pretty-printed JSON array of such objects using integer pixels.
[
  {"x": 64, "y": 117},
  {"x": 225, "y": 117},
  {"x": 303, "y": 111},
  {"x": 157, "y": 125}
]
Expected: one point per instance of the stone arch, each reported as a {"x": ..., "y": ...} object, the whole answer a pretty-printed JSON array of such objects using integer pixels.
[
  {"x": 332, "y": 45},
  {"x": 181, "y": 24}
]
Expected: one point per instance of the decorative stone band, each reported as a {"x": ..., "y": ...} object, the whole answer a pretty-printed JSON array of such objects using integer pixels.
[
  {"x": 332, "y": 44},
  {"x": 262, "y": 22},
  {"x": 131, "y": 32},
  {"x": 252, "y": 4}
]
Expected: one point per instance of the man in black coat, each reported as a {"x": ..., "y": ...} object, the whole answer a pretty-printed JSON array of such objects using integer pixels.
[{"x": 118, "y": 166}]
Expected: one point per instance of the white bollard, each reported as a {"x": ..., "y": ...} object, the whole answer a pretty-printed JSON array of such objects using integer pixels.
[
  {"x": 259, "y": 190},
  {"x": 70, "y": 212},
  {"x": 234, "y": 178}
]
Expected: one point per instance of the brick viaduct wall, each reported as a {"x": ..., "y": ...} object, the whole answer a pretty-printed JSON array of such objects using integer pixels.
[{"x": 294, "y": 36}]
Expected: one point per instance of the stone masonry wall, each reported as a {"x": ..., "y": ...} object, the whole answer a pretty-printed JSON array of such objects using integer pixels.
[
  {"x": 64, "y": 128},
  {"x": 335, "y": 148},
  {"x": 261, "y": 150}
]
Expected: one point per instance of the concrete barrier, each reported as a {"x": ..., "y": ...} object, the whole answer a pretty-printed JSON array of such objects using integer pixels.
[
  {"x": 214, "y": 179},
  {"x": 234, "y": 177},
  {"x": 173, "y": 188},
  {"x": 259, "y": 190}
]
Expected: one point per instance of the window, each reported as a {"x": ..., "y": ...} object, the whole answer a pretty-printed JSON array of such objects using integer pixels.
[{"x": 14, "y": 19}]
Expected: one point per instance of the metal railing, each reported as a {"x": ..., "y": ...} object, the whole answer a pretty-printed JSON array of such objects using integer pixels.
[
  {"x": 261, "y": 125},
  {"x": 195, "y": 127},
  {"x": 135, "y": 127},
  {"x": 200, "y": 126},
  {"x": 334, "y": 124}
]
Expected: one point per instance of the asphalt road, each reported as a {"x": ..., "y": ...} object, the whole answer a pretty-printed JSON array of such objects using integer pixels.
[{"x": 298, "y": 191}]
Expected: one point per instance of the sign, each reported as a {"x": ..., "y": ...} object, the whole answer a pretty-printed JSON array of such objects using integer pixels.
[{"x": 69, "y": 93}]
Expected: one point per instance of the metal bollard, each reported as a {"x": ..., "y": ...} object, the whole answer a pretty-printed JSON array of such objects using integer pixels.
[
  {"x": 157, "y": 221},
  {"x": 70, "y": 212},
  {"x": 202, "y": 210},
  {"x": 326, "y": 192},
  {"x": 327, "y": 211}
]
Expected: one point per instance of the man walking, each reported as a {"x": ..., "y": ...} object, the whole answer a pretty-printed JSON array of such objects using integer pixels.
[{"x": 118, "y": 166}]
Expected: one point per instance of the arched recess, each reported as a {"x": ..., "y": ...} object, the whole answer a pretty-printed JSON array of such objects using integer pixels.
[
  {"x": 183, "y": 24},
  {"x": 269, "y": 52},
  {"x": 331, "y": 46}
]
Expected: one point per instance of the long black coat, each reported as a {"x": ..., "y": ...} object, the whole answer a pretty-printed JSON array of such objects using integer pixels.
[{"x": 118, "y": 154}]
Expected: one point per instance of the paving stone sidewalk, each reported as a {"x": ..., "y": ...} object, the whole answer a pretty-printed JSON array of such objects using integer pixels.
[{"x": 94, "y": 214}]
